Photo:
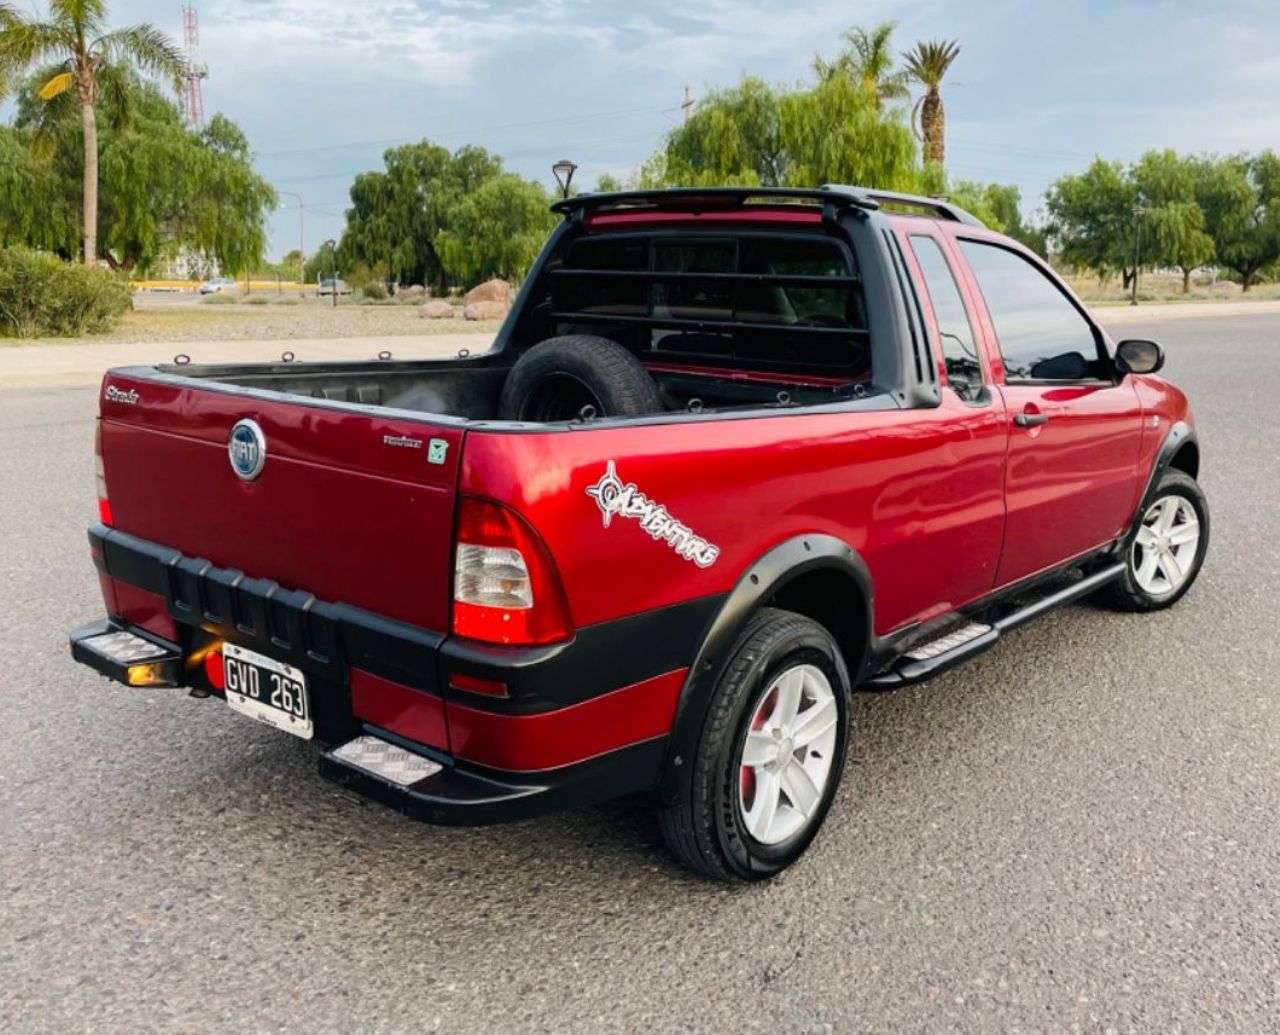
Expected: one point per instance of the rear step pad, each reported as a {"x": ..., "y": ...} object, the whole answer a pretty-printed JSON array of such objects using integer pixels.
[
  {"x": 127, "y": 657},
  {"x": 376, "y": 766},
  {"x": 936, "y": 656},
  {"x": 385, "y": 760}
]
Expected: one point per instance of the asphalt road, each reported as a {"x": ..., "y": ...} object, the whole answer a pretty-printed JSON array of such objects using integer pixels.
[{"x": 1077, "y": 832}]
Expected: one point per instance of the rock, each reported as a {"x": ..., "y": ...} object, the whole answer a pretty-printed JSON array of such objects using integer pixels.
[
  {"x": 436, "y": 309},
  {"x": 489, "y": 291},
  {"x": 412, "y": 291},
  {"x": 486, "y": 310}
]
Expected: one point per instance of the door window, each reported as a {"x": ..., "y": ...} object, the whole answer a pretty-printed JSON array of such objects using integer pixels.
[
  {"x": 959, "y": 343},
  {"x": 1042, "y": 336}
]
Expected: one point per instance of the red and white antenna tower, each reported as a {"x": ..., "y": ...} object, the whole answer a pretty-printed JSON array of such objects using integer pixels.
[{"x": 196, "y": 73}]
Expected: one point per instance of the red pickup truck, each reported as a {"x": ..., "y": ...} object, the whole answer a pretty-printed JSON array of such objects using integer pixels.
[{"x": 735, "y": 455}]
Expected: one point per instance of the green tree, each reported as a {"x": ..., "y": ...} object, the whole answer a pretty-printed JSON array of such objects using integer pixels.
[
  {"x": 1166, "y": 187},
  {"x": 431, "y": 216},
  {"x": 390, "y": 221},
  {"x": 837, "y": 133},
  {"x": 34, "y": 210},
  {"x": 928, "y": 65},
  {"x": 1091, "y": 218},
  {"x": 868, "y": 61},
  {"x": 1240, "y": 198},
  {"x": 755, "y": 135},
  {"x": 733, "y": 139},
  {"x": 164, "y": 187},
  {"x": 495, "y": 230},
  {"x": 608, "y": 184},
  {"x": 76, "y": 34},
  {"x": 396, "y": 214}
]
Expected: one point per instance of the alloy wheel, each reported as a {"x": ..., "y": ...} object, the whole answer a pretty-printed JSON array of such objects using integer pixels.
[
  {"x": 786, "y": 757},
  {"x": 1164, "y": 550}
]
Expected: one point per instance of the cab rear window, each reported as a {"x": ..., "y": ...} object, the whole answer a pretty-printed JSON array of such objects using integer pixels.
[{"x": 777, "y": 301}]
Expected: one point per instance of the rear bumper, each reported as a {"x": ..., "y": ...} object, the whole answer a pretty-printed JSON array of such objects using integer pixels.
[
  {"x": 458, "y": 796},
  {"x": 582, "y": 722}
]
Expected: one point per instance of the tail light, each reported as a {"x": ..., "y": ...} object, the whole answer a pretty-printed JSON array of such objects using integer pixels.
[
  {"x": 100, "y": 472},
  {"x": 505, "y": 586}
]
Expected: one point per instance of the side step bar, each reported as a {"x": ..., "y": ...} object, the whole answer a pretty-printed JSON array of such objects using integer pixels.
[{"x": 936, "y": 656}]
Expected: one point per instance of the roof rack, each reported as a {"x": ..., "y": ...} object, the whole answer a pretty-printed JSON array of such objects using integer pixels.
[
  {"x": 711, "y": 196},
  {"x": 938, "y": 206},
  {"x": 831, "y": 193}
]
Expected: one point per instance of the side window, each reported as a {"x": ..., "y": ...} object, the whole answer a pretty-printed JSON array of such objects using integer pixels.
[
  {"x": 1042, "y": 336},
  {"x": 959, "y": 344}
]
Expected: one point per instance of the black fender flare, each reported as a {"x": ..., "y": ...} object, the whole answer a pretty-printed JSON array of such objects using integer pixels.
[
  {"x": 1179, "y": 436},
  {"x": 772, "y": 571}
]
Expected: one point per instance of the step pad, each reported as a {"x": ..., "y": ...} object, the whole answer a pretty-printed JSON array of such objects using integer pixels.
[{"x": 944, "y": 644}]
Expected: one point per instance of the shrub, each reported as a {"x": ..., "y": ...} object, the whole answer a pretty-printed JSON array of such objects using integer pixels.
[
  {"x": 40, "y": 295},
  {"x": 374, "y": 290}
]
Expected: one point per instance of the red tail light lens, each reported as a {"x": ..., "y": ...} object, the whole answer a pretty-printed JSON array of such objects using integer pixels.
[
  {"x": 505, "y": 586},
  {"x": 100, "y": 472}
]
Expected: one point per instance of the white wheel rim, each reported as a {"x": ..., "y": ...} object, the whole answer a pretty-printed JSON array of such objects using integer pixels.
[
  {"x": 1164, "y": 549},
  {"x": 786, "y": 757}
]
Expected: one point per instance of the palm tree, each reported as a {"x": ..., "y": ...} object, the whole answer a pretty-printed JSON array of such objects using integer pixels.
[
  {"x": 868, "y": 59},
  {"x": 76, "y": 36},
  {"x": 927, "y": 65}
]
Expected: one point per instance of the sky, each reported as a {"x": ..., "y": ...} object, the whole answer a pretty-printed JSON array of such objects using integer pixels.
[{"x": 323, "y": 87}]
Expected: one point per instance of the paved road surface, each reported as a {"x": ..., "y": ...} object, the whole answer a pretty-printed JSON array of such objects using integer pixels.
[{"x": 1078, "y": 832}]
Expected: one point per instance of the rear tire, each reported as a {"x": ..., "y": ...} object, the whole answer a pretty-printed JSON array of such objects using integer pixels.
[
  {"x": 558, "y": 379},
  {"x": 1164, "y": 553},
  {"x": 770, "y": 756}
]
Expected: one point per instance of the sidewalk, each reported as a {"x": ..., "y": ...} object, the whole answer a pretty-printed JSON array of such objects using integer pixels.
[
  {"x": 1109, "y": 314},
  {"x": 28, "y": 366}
]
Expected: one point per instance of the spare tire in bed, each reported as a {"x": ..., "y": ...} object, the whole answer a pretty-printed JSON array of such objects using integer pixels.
[{"x": 558, "y": 379}]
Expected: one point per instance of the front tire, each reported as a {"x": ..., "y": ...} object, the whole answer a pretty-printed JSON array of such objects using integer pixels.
[
  {"x": 1166, "y": 550},
  {"x": 770, "y": 756}
]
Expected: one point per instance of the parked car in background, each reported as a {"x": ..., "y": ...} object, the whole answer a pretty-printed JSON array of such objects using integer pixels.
[
  {"x": 217, "y": 285},
  {"x": 328, "y": 287}
]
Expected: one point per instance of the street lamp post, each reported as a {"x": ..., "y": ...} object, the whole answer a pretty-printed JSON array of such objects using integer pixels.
[
  {"x": 302, "y": 230},
  {"x": 563, "y": 171},
  {"x": 332, "y": 245},
  {"x": 1138, "y": 213}
]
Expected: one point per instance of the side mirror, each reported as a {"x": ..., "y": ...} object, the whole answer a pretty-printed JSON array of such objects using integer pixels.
[{"x": 1137, "y": 356}]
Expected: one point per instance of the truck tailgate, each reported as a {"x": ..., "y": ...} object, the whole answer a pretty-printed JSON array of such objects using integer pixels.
[{"x": 352, "y": 506}]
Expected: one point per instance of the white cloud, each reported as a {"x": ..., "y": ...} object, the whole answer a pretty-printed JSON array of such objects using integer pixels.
[{"x": 322, "y": 86}]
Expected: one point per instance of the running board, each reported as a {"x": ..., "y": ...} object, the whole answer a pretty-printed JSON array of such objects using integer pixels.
[{"x": 934, "y": 657}]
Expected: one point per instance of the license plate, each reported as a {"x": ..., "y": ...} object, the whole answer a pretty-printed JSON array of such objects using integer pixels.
[{"x": 267, "y": 690}]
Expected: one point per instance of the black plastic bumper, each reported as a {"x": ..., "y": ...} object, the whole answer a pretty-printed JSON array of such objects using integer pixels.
[{"x": 458, "y": 796}]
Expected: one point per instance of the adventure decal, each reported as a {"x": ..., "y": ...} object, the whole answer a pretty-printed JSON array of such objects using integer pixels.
[{"x": 615, "y": 498}]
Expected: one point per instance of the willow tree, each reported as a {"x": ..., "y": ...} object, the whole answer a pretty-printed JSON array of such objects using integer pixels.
[
  {"x": 75, "y": 35},
  {"x": 1175, "y": 223},
  {"x": 495, "y": 230},
  {"x": 756, "y": 135},
  {"x": 733, "y": 139},
  {"x": 928, "y": 65},
  {"x": 165, "y": 187},
  {"x": 838, "y": 133}
]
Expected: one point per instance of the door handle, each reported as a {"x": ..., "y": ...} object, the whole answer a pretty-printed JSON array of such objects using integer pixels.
[{"x": 1031, "y": 420}]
